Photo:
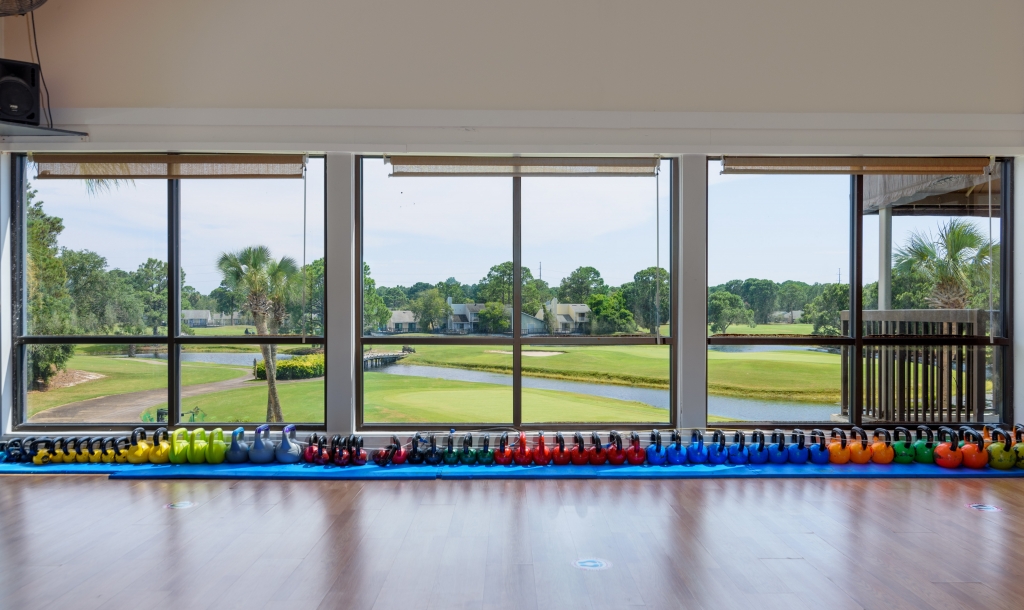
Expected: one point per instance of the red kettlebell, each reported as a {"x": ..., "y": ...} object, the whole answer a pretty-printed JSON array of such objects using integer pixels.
[
  {"x": 400, "y": 455},
  {"x": 522, "y": 456},
  {"x": 356, "y": 454},
  {"x": 382, "y": 457},
  {"x": 974, "y": 454},
  {"x": 579, "y": 455},
  {"x": 338, "y": 451},
  {"x": 322, "y": 456},
  {"x": 309, "y": 454},
  {"x": 598, "y": 452},
  {"x": 616, "y": 455},
  {"x": 560, "y": 456},
  {"x": 948, "y": 454},
  {"x": 635, "y": 454},
  {"x": 503, "y": 454},
  {"x": 541, "y": 453}
]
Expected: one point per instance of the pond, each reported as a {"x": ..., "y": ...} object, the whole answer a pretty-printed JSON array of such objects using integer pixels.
[{"x": 233, "y": 358}]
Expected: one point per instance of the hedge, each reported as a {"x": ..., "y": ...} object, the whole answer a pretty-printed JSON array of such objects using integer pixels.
[{"x": 299, "y": 367}]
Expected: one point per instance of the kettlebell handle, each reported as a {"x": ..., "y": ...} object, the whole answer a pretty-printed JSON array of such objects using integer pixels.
[
  {"x": 117, "y": 444},
  {"x": 798, "y": 438},
  {"x": 263, "y": 429},
  {"x": 467, "y": 442},
  {"x": 634, "y": 439},
  {"x": 779, "y": 436},
  {"x": 885, "y": 435},
  {"x": 927, "y": 432},
  {"x": 757, "y": 436},
  {"x": 901, "y": 430},
  {"x": 976, "y": 436},
  {"x": 137, "y": 435},
  {"x": 1018, "y": 431},
  {"x": 1002, "y": 433},
  {"x": 819, "y": 434},
  {"x": 578, "y": 437},
  {"x": 486, "y": 445},
  {"x": 842, "y": 436},
  {"x": 395, "y": 441},
  {"x": 856, "y": 432},
  {"x": 595, "y": 440},
  {"x": 697, "y": 436},
  {"x": 33, "y": 447},
  {"x": 657, "y": 440},
  {"x": 719, "y": 437},
  {"x": 503, "y": 442},
  {"x": 560, "y": 441},
  {"x": 951, "y": 434},
  {"x": 615, "y": 437},
  {"x": 85, "y": 440},
  {"x": 739, "y": 438}
]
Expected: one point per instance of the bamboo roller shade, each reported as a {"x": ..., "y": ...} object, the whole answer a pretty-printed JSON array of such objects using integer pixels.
[
  {"x": 855, "y": 165},
  {"x": 138, "y": 166},
  {"x": 409, "y": 165}
]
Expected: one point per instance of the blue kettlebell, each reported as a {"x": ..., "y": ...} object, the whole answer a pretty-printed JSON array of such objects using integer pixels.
[
  {"x": 819, "y": 453},
  {"x": 238, "y": 452},
  {"x": 798, "y": 452},
  {"x": 676, "y": 452},
  {"x": 757, "y": 452},
  {"x": 3, "y": 452},
  {"x": 777, "y": 453},
  {"x": 656, "y": 454},
  {"x": 718, "y": 453},
  {"x": 738, "y": 452},
  {"x": 432, "y": 456},
  {"x": 13, "y": 450},
  {"x": 697, "y": 453},
  {"x": 262, "y": 449},
  {"x": 288, "y": 451}
]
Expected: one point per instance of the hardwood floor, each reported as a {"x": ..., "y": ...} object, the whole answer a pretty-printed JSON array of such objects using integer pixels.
[{"x": 89, "y": 542}]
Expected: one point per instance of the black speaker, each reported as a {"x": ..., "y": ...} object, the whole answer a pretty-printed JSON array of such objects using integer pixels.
[{"x": 19, "y": 92}]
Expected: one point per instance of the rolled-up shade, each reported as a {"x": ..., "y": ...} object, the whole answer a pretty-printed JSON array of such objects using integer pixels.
[
  {"x": 139, "y": 166},
  {"x": 408, "y": 165},
  {"x": 855, "y": 165}
]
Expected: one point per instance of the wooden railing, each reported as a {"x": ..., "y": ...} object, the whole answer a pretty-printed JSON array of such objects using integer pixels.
[{"x": 934, "y": 383}]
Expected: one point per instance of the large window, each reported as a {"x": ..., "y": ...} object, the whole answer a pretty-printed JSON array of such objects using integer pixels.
[
  {"x": 95, "y": 343},
  {"x": 918, "y": 338},
  {"x": 525, "y": 300}
]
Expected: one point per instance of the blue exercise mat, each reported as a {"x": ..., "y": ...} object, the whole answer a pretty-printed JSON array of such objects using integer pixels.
[
  {"x": 301, "y": 472},
  {"x": 8, "y": 468}
]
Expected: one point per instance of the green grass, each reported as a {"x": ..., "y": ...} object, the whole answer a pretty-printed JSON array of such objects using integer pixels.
[
  {"x": 768, "y": 329},
  {"x": 802, "y": 376},
  {"x": 396, "y": 398},
  {"x": 124, "y": 375},
  {"x": 301, "y": 402}
]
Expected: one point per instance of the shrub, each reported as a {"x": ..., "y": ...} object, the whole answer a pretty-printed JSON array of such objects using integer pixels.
[{"x": 299, "y": 367}]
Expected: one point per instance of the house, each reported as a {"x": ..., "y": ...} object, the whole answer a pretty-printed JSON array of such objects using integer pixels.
[
  {"x": 570, "y": 318},
  {"x": 402, "y": 321},
  {"x": 196, "y": 318},
  {"x": 226, "y": 319},
  {"x": 532, "y": 325},
  {"x": 465, "y": 317}
]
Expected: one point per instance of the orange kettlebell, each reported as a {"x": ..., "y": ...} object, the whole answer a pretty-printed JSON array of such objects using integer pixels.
[
  {"x": 881, "y": 450},
  {"x": 860, "y": 450},
  {"x": 838, "y": 450},
  {"x": 974, "y": 454}
]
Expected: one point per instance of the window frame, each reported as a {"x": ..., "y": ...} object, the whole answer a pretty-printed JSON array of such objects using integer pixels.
[
  {"x": 518, "y": 338},
  {"x": 172, "y": 340},
  {"x": 857, "y": 341}
]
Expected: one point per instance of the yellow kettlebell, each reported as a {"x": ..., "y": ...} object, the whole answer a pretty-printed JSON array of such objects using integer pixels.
[
  {"x": 197, "y": 446},
  {"x": 95, "y": 449},
  {"x": 216, "y": 448},
  {"x": 161, "y": 451},
  {"x": 71, "y": 450},
  {"x": 121, "y": 450},
  {"x": 82, "y": 450},
  {"x": 139, "y": 447},
  {"x": 57, "y": 455},
  {"x": 107, "y": 450},
  {"x": 179, "y": 446},
  {"x": 41, "y": 455}
]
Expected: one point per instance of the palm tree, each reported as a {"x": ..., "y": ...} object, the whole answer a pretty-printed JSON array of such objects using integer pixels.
[
  {"x": 960, "y": 253},
  {"x": 263, "y": 283}
]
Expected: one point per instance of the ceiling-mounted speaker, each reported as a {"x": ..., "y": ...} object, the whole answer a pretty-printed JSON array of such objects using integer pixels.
[{"x": 19, "y": 92}]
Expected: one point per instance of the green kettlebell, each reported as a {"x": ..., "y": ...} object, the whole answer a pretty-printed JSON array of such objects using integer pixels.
[
  {"x": 924, "y": 450},
  {"x": 468, "y": 455},
  {"x": 216, "y": 448},
  {"x": 1018, "y": 447},
  {"x": 197, "y": 446},
  {"x": 903, "y": 450},
  {"x": 450, "y": 456},
  {"x": 1000, "y": 455},
  {"x": 485, "y": 455}
]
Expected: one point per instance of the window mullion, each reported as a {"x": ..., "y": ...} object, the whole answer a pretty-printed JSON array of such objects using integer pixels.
[
  {"x": 173, "y": 300},
  {"x": 517, "y": 301}
]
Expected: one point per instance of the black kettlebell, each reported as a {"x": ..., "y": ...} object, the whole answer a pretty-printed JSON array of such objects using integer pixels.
[
  {"x": 432, "y": 456},
  {"x": 14, "y": 450},
  {"x": 25, "y": 455}
]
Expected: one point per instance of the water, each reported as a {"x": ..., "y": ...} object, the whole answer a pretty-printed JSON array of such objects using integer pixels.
[
  {"x": 234, "y": 358},
  {"x": 722, "y": 406}
]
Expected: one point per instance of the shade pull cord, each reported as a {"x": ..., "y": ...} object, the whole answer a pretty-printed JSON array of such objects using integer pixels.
[
  {"x": 305, "y": 272},
  {"x": 657, "y": 255},
  {"x": 991, "y": 260}
]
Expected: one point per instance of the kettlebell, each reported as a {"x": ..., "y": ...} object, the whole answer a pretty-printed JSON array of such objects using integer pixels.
[
  {"x": 819, "y": 453},
  {"x": 95, "y": 449},
  {"x": 598, "y": 453},
  {"x": 197, "y": 446},
  {"x": 579, "y": 454},
  {"x": 903, "y": 451},
  {"x": 468, "y": 455},
  {"x": 738, "y": 453},
  {"x": 757, "y": 452},
  {"x": 635, "y": 454},
  {"x": 82, "y": 450},
  {"x": 838, "y": 450},
  {"x": 40, "y": 451},
  {"x": 697, "y": 453},
  {"x": 262, "y": 450},
  {"x": 503, "y": 455},
  {"x": 356, "y": 454},
  {"x": 718, "y": 453},
  {"x": 1001, "y": 455},
  {"x": 860, "y": 450},
  {"x": 947, "y": 454},
  {"x": 139, "y": 447},
  {"x": 238, "y": 451},
  {"x": 973, "y": 448},
  {"x": 560, "y": 456},
  {"x": 25, "y": 455},
  {"x": 522, "y": 456},
  {"x": 1018, "y": 447},
  {"x": 179, "y": 446},
  {"x": 70, "y": 450},
  {"x": 339, "y": 451},
  {"x": 675, "y": 454},
  {"x": 656, "y": 454},
  {"x": 485, "y": 455},
  {"x": 541, "y": 453},
  {"x": 382, "y": 457},
  {"x": 3, "y": 452},
  {"x": 616, "y": 454},
  {"x": 432, "y": 456},
  {"x": 777, "y": 453},
  {"x": 107, "y": 450},
  {"x": 416, "y": 451},
  {"x": 400, "y": 455},
  {"x": 798, "y": 452},
  {"x": 309, "y": 454},
  {"x": 288, "y": 451},
  {"x": 160, "y": 453},
  {"x": 881, "y": 450},
  {"x": 450, "y": 456},
  {"x": 58, "y": 453},
  {"x": 121, "y": 450},
  {"x": 216, "y": 448},
  {"x": 924, "y": 450},
  {"x": 13, "y": 451}
]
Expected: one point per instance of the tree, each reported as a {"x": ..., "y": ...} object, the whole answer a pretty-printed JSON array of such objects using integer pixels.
[
  {"x": 725, "y": 309},
  {"x": 760, "y": 297},
  {"x": 580, "y": 284},
  {"x": 190, "y": 297},
  {"x": 609, "y": 315},
  {"x": 949, "y": 261},
  {"x": 227, "y": 300},
  {"x": 497, "y": 284},
  {"x": 451, "y": 288},
  {"x": 310, "y": 321},
  {"x": 494, "y": 319},
  {"x": 430, "y": 310},
  {"x": 823, "y": 312},
  {"x": 262, "y": 281},
  {"x": 394, "y": 298},
  {"x": 375, "y": 312},
  {"x": 792, "y": 296},
  {"x": 648, "y": 297},
  {"x": 150, "y": 281},
  {"x": 415, "y": 290}
]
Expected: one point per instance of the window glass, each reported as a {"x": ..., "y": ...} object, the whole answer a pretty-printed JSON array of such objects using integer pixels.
[
  {"x": 778, "y": 253},
  {"x": 252, "y": 258},
  {"x": 437, "y": 254},
  {"x": 591, "y": 254},
  {"x": 96, "y": 257}
]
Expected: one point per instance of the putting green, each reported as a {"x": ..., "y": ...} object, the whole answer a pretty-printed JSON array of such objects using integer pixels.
[
  {"x": 301, "y": 402},
  {"x": 792, "y": 375},
  {"x": 767, "y": 329}
]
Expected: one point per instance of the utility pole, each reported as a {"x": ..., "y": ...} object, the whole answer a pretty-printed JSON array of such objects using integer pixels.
[
  {"x": 840, "y": 275},
  {"x": 540, "y": 270}
]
